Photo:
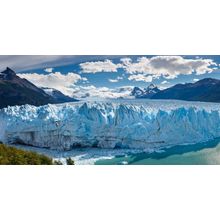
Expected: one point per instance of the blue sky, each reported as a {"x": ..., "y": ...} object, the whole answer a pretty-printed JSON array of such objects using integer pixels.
[{"x": 76, "y": 72}]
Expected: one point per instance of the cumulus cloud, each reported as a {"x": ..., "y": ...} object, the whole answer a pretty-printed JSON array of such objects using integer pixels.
[
  {"x": 102, "y": 92},
  {"x": 168, "y": 66},
  {"x": 99, "y": 66},
  {"x": 140, "y": 77},
  {"x": 68, "y": 85},
  {"x": 141, "y": 66},
  {"x": 48, "y": 70},
  {"x": 56, "y": 80}
]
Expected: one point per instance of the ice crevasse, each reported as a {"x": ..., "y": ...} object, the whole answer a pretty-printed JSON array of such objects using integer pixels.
[{"x": 149, "y": 125}]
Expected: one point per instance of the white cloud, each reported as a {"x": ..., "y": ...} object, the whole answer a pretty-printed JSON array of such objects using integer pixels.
[
  {"x": 56, "y": 80},
  {"x": 30, "y": 62},
  {"x": 116, "y": 79},
  {"x": 113, "y": 80},
  {"x": 141, "y": 66},
  {"x": 99, "y": 66},
  {"x": 48, "y": 70},
  {"x": 102, "y": 92},
  {"x": 168, "y": 66},
  {"x": 67, "y": 85},
  {"x": 140, "y": 77},
  {"x": 164, "y": 82}
]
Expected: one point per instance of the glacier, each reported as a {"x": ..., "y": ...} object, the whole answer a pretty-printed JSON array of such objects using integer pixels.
[{"x": 114, "y": 124}]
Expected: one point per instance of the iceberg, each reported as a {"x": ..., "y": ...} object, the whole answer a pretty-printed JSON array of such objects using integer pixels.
[{"x": 126, "y": 124}]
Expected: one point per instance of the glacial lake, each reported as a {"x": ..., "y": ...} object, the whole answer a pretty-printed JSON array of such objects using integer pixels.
[
  {"x": 207, "y": 153},
  {"x": 195, "y": 154}
]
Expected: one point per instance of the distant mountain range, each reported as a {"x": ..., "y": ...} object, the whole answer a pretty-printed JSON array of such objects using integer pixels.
[
  {"x": 148, "y": 92},
  {"x": 58, "y": 96},
  {"x": 206, "y": 90},
  {"x": 18, "y": 91}
]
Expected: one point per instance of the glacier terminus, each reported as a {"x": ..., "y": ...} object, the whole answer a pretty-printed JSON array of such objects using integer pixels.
[{"x": 129, "y": 124}]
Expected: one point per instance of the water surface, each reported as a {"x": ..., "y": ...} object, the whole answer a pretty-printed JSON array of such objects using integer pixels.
[
  {"x": 191, "y": 154},
  {"x": 195, "y": 154}
]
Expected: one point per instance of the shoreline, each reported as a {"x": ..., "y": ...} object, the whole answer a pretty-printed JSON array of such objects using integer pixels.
[{"x": 89, "y": 156}]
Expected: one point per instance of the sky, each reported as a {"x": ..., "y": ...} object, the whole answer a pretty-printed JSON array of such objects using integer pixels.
[{"x": 110, "y": 76}]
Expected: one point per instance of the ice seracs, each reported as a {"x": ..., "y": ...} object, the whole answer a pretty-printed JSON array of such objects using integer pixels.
[{"x": 119, "y": 124}]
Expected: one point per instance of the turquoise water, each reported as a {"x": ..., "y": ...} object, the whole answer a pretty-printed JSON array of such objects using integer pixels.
[{"x": 195, "y": 154}]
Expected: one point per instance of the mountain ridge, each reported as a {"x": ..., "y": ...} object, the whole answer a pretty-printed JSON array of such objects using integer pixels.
[
  {"x": 59, "y": 96},
  {"x": 18, "y": 91},
  {"x": 207, "y": 90},
  {"x": 146, "y": 92}
]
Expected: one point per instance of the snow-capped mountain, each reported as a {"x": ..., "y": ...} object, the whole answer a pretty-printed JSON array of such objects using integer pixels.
[
  {"x": 146, "y": 92},
  {"x": 207, "y": 90},
  {"x": 18, "y": 91},
  {"x": 58, "y": 96},
  {"x": 137, "y": 92},
  {"x": 141, "y": 124}
]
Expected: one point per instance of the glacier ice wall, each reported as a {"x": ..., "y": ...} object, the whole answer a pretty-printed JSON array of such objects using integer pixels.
[{"x": 149, "y": 125}]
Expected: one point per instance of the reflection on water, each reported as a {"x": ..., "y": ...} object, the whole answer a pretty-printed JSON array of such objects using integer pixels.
[{"x": 194, "y": 154}]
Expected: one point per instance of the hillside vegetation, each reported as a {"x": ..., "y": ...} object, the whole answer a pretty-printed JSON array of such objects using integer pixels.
[{"x": 14, "y": 156}]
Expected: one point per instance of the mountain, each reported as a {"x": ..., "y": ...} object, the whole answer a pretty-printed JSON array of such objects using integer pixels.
[
  {"x": 137, "y": 92},
  {"x": 146, "y": 92},
  {"x": 206, "y": 90},
  {"x": 18, "y": 91},
  {"x": 58, "y": 96}
]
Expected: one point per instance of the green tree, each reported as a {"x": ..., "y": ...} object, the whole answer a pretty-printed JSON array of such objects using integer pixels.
[{"x": 69, "y": 161}]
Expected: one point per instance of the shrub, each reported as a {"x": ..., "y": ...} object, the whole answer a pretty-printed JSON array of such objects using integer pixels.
[
  {"x": 57, "y": 162},
  {"x": 14, "y": 156},
  {"x": 69, "y": 161}
]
